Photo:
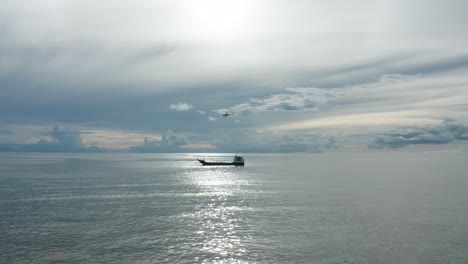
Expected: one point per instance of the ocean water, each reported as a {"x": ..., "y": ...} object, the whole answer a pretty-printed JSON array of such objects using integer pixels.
[{"x": 344, "y": 208}]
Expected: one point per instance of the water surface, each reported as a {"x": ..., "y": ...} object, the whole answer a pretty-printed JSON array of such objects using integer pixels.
[{"x": 295, "y": 208}]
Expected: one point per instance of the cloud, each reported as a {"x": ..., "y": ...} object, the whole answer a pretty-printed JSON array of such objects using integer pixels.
[
  {"x": 170, "y": 142},
  {"x": 174, "y": 139},
  {"x": 298, "y": 99},
  {"x": 394, "y": 100},
  {"x": 5, "y": 132},
  {"x": 446, "y": 133},
  {"x": 70, "y": 139},
  {"x": 148, "y": 54},
  {"x": 267, "y": 142},
  {"x": 61, "y": 141},
  {"x": 199, "y": 147},
  {"x": 363, "y": 121},
  {"x": 307, "y": 143},
  {"x": 210, "y": 118},
  {"x": 181, "y": 107},
  {"x": 115, "y": 139},
  {"x": 95, "y": 62}
]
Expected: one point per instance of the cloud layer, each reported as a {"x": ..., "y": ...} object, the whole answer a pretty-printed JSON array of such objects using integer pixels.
[
  {"x": 297, "y": 99},
  {"x": 449, "y": 132},
  {"x": 170, "y": 142},
  {"x": 61, "y": 141},
  {"x": 360, "y": 69},
  {"x": 395, "y": 100}
]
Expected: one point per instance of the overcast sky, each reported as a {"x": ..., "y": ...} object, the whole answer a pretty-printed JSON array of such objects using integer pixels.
[{"x": 298, "y": 75}]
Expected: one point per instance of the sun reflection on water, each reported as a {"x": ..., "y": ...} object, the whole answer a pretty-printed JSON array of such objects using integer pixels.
[{"x": 220, "y": 220}]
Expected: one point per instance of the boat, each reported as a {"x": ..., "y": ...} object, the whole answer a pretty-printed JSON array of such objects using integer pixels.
[{"x": 238, "y": 161}]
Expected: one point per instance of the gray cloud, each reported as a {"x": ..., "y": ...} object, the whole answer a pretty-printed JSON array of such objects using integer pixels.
[
  {"x": 62, "y": 141},
  {"x": 174, "y": 139},
  {"x": 443, "y": 134},
  {"x": 266, "y": 143},
  {"x": 170, "y": 142},
  {"x": 307, "y": 143},
  {"x": 5, "y": 132},
  {"x": 148, "y": 54},
  {"x": 298, "y": 99}
]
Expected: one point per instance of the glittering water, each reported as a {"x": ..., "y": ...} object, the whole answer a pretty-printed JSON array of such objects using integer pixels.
[{"x": 166, "y": 208}]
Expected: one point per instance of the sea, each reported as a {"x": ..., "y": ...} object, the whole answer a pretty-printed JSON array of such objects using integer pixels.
[{"x": 340, "y": 208}]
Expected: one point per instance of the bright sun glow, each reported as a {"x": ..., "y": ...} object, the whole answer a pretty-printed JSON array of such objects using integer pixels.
[{"x": 218, "y": 20}]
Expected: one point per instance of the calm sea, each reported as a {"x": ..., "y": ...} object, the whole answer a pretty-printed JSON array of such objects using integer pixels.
[{"x": 298, "y": 208}]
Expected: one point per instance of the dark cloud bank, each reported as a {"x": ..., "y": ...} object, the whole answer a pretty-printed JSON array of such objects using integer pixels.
[
  {"x": 171, "y": 142},
  {"x": 62, "y": 141},
  {"x": 446, "y": 133},
  {"x": 71, "y": 141}
]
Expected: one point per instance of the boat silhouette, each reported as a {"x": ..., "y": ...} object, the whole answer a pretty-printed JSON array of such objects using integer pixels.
[{"x": 238, "y": 161}]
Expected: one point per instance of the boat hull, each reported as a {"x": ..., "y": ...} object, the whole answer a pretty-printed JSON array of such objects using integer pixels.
[{"x": 207, "y": 163}]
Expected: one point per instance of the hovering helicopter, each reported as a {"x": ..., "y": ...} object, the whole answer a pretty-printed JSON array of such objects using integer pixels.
[{"x": 226, "y": 114}]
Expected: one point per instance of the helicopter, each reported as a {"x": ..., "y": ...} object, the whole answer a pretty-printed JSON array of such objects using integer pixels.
[{"x": 226, "y": 114}]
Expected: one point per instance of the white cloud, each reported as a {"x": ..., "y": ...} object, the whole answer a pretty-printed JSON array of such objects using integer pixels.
[
  {"x": 180, "y": 107},
  {"x": 212, "y": 118},
  {"x": 174, "y": 139},
  {"x": 366, "y": 120}
]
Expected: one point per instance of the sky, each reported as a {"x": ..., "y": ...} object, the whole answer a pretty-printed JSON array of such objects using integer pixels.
[{"x": 297, "y": 76}]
